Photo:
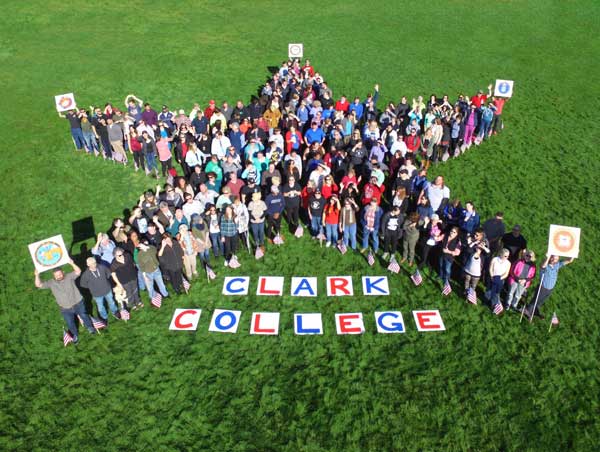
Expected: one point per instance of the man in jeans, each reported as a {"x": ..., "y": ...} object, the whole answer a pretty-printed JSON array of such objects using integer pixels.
[
  {"x": 96, "y": 278},
  {"x": 68, "y": 298},
  {"x": 147, "y": 260}
]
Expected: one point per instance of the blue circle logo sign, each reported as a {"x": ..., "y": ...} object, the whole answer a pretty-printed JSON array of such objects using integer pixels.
[
  {"x": 48, "y": 254},
  {"x": 504, "y": 87}
]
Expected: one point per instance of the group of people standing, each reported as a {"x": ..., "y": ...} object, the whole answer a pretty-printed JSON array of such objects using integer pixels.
[{"x": 352, "y": 172}]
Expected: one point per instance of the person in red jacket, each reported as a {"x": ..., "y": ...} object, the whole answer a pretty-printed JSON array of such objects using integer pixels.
[
  {"x": 342, "y": 104},
  {"x": 208, "y": 111},
  {"x": 372, "y": 191},
  {"x": 293, "y": 140},
  {"x": 480, "y": 99},
  {"x": 413, "y": 141},
  {"x": 308, "y": 68}
]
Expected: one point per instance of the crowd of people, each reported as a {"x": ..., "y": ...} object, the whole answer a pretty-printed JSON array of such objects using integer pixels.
[{"x": 354, "y": 172}]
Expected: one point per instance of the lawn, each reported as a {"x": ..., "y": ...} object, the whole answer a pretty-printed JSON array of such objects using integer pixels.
[{"x": 485, "y": 384}]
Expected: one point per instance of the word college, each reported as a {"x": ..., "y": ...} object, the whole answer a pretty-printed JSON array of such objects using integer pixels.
[{"x": 267, "y": 323}]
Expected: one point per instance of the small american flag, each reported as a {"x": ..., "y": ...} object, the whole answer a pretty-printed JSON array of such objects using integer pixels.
[
  {"x": 98, "y": 323},
  {"x": 471, "y": 296},
  {"x": 370, "y": 259},
  {"x": 234, "y": 263},
  {"x": 555, "y": 320},
  {"x": 124, "y": 314},
  {"x": 259, "y": 253},
  {"x": 498, "y": 309},
  {"x": 416, "y": 278},
  {"x": 299, "y": 231},
  {"x": 67, "y": 338},
  {"x": 278, "y": 240},
  {"x": 447, "y": 290},
  {"x": 342, "y": 248},
  {"x": 394, "y": 267},
  {"x": 186, "y": 284},
  {"x": 156, "y": 300},
  {"x": 209, "y": 272}
]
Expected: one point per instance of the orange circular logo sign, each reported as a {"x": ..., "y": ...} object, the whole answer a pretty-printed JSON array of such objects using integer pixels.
[
  {"x": 563, "y": 241},
  {"x": 65, "y": 102}
]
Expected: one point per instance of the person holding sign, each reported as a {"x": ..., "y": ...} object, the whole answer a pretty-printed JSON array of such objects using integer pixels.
[
  {"x": 68, "y": 298},
  {"x": 549, "y": 271}
]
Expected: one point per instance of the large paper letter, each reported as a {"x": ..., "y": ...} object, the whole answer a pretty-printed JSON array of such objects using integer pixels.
[
  {"x": 389, "y": 322},
  {"x": 350, "y": 323},
  {"x": 225, "y": 321},
  {"x": 429, "y": 320},
  {"x": 185, "y": 319},
  {"x": 338, "y": 286}
]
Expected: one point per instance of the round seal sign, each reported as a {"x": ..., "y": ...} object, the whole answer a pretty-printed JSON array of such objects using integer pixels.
[
  {"x": 48, "y": 254},
  {"x": 504, "y": 88},
  {"x": 563, "y": 241},
  {"x": 65, "y": 102},
  {"x": 295, "y": 50}
]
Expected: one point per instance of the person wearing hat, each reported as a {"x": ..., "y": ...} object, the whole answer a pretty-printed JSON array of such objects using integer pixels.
[
  {"x": 257, "y": 209},
  {"x": 481, "y": 98},
  {"x": 275, "y": 203},
  {"x": 208, "y": 111},
  {"x": 96, "y": 278},
  {"x": 166, "y": 116}
]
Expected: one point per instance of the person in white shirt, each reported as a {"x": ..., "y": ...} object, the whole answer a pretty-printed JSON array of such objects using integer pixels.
[
  {"x": 499, "y": 271},
  {"x": 191, "y": 207},
  {"x": 219, "y": 145}
]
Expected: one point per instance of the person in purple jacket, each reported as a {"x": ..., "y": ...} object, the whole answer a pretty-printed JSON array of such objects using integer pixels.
[{"x": 149, "y": 116}]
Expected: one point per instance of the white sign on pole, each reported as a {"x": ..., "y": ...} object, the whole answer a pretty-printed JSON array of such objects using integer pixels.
[
  {"x": 49, "y": 253},
  {"x": 65, "y": 102},
  {"x": 504, "y": 88},
  {"x": 564, "y": 241},
  {"x": 295, "y": 50}
]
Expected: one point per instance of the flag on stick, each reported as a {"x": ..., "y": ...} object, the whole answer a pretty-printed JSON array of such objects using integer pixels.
[
  {"x": 156, "y": 300},
  {"x": 299, "y": 231},
  {"x": 98, "y": 323},
  {"x": 554, "y": 321},
  {"x": 234, "y": 263},
  {"x": 259, "y": 253},
  {"x": 471, "y": 296},
  {"x": 124, "y": 314},
  {"x": 498, "y": 309},
  {"x": 278, "y": 240},
  {"x": 210, "y": 273},
  {"x": 342, "y": 247},
  {"x": 67, "y": 338},
  {"x": 186, "y": 285},
  {"x": 447, "y": 290},
  {"x": 394, "y": 267},
  {"x": 416, "y": 278},
  {"x": 370, "y": 259}
]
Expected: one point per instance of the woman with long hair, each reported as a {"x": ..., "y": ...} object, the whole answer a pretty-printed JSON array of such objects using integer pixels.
[{"x": 229, "y": 234}]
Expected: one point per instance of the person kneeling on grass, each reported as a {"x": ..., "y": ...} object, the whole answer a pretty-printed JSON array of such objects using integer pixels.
[{"x": 68, "y": 298}]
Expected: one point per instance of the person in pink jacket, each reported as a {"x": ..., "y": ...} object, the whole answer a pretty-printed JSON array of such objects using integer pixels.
[{"x": 521, "y": 275}]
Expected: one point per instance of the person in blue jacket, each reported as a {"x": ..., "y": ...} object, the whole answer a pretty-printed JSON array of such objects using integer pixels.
[
  {"x": 469, "y": 220},
  {"x": 275, "y": 205}
]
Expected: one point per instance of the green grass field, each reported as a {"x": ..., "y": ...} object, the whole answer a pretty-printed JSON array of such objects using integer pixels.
[{"x": 486, "y": 384}]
